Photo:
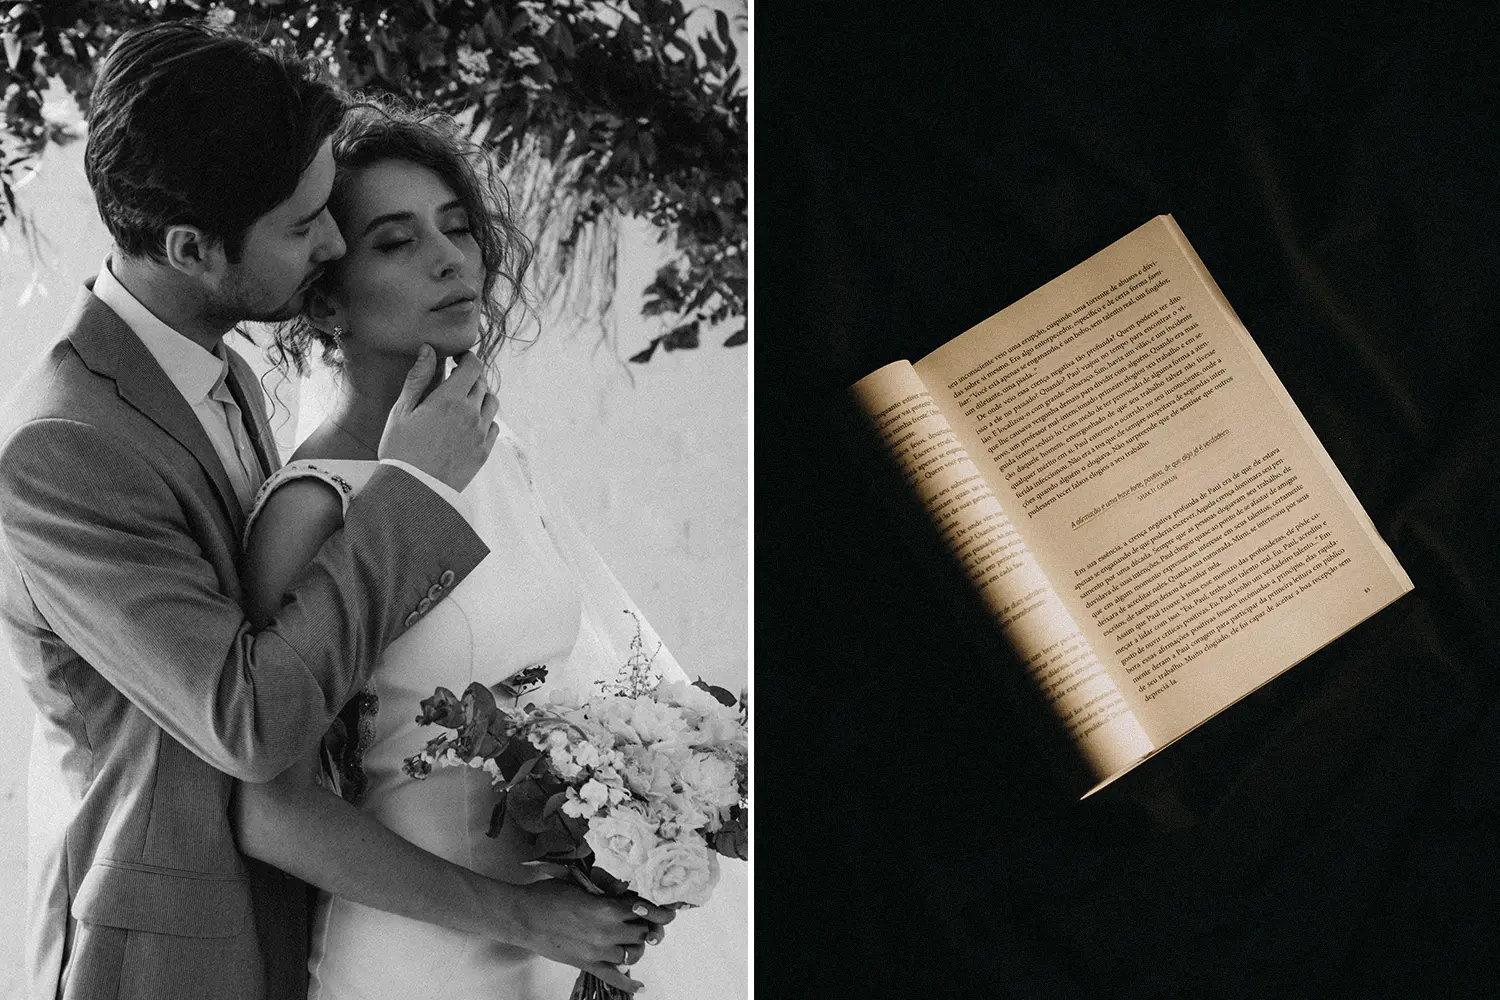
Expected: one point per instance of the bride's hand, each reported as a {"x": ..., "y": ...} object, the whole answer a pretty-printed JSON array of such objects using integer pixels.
[
  {"x": 449, "y": 431},
  {"x": 562, "y": 922}
]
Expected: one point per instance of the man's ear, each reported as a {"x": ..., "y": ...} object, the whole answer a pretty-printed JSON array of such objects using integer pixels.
[{"x": 193, "y": 252}]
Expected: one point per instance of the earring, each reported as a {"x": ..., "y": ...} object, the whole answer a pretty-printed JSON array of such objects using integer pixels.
[{"x": 338, "y": 335}]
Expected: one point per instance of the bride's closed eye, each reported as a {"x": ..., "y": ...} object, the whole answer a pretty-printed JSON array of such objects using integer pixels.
[{"x": 387, "y": 246}]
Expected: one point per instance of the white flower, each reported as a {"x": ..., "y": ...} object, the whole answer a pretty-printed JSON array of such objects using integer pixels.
[
  {"x": 586, "y": 802},
  {"x": 679, "y": 871},
  {"x": 648, "y": 772},
  {"x": 611, "y": 776},
  {"x": 621, "y": 841},
  {"x": 685, "y": 695},
  {"x": 525, "y": 55},
  {"x": 711, "y": 721},
  {"x": 711, "y": 780},
  {"x": 680, "y": 816},
  {"x": 657, "y": 722},
  {"x": 586, "y": 755}
]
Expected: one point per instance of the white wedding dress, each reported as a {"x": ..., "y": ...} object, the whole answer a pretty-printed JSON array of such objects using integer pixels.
[{"x": 542, "y": 596}]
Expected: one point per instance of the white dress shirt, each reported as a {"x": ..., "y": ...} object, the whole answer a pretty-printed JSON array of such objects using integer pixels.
[{"x": 201, "y": 376}]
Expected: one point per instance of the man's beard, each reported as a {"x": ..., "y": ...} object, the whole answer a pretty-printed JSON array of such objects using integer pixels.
[{"x": 238, "y": 304}]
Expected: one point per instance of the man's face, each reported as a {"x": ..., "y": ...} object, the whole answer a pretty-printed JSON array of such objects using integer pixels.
[{"x": 283, "y": 253}]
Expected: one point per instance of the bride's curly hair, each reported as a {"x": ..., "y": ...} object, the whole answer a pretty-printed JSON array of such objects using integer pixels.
[{"x": 376, "y": 128}]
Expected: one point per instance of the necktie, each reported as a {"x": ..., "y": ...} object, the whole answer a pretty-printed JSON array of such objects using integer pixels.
[{"x": 249, "y": 473}]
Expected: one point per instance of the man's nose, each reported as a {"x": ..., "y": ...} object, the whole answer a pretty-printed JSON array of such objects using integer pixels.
[{"x": 331, "y": 246}]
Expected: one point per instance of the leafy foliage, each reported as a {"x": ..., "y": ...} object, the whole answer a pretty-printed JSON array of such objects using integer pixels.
[{"x": 601, "y": 109}]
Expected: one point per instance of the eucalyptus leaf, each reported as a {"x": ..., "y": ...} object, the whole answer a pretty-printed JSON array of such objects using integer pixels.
[
  {"x": 523, "y": 772},
  {"x": 497, "y": 819},
  {"x": 525, "y": 804}
]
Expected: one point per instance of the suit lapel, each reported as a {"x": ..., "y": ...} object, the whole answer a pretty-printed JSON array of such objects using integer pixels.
[{"x": 111, "y": 349}]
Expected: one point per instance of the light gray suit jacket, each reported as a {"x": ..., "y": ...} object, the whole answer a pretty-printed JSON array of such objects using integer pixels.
[{"x": 120, "y": 601}]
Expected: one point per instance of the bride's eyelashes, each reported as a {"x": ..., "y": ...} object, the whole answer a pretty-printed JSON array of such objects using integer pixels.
[{"x": 395, "y": 244}]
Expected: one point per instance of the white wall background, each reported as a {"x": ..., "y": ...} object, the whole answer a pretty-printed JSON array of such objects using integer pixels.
[{"x": 652, "y": 460}]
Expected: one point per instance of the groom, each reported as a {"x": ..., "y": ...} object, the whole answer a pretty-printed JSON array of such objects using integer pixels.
[{"x": 128, "y": 458}]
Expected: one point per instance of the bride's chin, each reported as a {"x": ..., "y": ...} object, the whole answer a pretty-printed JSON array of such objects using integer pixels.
[{"x": 449, "y": 345}]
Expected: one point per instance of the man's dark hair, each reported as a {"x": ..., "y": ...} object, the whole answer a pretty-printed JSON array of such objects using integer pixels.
[{"x": 191, "y": 125}]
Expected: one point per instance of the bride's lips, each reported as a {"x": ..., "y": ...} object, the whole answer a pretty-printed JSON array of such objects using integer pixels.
[{"x": 459, "y": 298}]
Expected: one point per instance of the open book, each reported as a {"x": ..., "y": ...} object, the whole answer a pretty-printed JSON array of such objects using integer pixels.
[{"x": 1137, "y": 500}]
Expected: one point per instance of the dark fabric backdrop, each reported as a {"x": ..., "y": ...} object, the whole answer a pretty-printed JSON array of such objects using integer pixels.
[{"x": 917, "y": 169}]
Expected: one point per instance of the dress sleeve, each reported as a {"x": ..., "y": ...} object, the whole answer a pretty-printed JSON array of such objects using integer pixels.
[{"x": 297, "y": 470}]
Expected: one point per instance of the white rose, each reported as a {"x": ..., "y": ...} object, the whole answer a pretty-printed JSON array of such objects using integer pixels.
[
  {"x": 621, "y": 842},
  {"x": 712, "y": 783},
  {"x": 711, "y": 778},
  {"x": 647, "y": 772},
  {"x": 680, "y": 815},
  {"x": 677, "y": 871}
]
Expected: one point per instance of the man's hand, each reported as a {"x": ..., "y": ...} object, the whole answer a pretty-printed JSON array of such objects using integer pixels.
[
  {"x": 449, "y": 434},
  {"x": 562, "y": 922}
]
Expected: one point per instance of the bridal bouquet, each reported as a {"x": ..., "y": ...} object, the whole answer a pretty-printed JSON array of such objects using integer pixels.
[{"x": 637, "y": 786}]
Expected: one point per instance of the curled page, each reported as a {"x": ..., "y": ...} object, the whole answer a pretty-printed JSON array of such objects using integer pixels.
[{"x": 980, "y": 534}]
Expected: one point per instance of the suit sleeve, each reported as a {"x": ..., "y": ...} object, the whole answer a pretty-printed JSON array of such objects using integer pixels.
[{"x": 109, "y": 558}]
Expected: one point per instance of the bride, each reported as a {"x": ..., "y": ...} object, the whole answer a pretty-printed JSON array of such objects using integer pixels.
[{"x": 415, "y": 898}]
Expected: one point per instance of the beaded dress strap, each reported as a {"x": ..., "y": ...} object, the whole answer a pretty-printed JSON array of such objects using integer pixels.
[{"x": 301, "y": 469}]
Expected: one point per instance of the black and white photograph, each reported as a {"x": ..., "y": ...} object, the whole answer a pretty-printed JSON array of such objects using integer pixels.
[{"x": 374, "y": 486}]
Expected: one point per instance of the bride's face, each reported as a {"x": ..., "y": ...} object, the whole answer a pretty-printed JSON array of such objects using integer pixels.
[{"x": 412, "y": 273}]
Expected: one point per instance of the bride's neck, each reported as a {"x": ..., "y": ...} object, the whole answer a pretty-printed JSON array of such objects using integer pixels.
[{"x": 366, "y": 392}]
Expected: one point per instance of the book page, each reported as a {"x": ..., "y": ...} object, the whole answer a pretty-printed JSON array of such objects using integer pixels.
[
  {"x": 1162, "y": 477},
  {"x": 977, "y": 531}
]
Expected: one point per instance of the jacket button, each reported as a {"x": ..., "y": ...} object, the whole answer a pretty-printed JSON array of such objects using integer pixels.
[
  {"x": 447, "y": 578},
  {"x": 423, "y": 605},
  {"x": 411, "y": 619},
  {"x": 434, "y": 592}
]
